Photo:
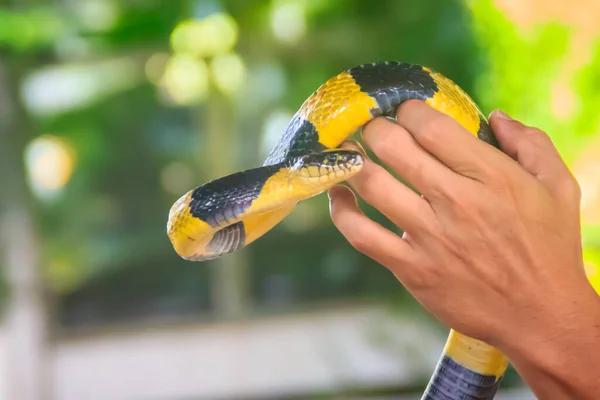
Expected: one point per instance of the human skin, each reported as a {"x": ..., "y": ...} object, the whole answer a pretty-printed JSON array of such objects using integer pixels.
[{"x": 492, "y": 246}]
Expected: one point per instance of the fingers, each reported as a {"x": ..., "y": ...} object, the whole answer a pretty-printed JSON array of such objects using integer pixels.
[
  {"x": 450, "y": 142},
  {"x": 397, "y": 148},
  {"x": 535, "y": 153},
  {"x": 364, "y": 234},
  {"x": 392, "y": 198}
]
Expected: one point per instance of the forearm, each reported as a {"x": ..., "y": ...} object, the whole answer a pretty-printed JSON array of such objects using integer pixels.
[{"x": 562, "y": 359}]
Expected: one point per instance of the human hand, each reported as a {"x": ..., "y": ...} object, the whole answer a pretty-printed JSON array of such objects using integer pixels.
[{"x": 492, "y": 247}]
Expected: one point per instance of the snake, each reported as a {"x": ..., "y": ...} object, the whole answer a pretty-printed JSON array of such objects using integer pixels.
[{"x": 228, "y": 213}]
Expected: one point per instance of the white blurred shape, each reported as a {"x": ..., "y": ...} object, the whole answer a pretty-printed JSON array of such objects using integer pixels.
[
  {"x": 288, "y": 20},
  {"x": 50, "y": 164},
  {"x": 264, "y": 358},
  {"x": 66, "y": 87}
]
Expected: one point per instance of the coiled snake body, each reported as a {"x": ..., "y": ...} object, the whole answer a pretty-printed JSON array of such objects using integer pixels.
[{"x": 227, "y": 214}]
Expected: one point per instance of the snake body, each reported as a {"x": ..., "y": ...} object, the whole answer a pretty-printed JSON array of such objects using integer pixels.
[{"x": 228, "y": 213}]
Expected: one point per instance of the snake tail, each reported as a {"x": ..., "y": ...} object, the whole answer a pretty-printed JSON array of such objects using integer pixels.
[
  {"x": 227, "y": 214},
  {"x": 468, "y": 369}
]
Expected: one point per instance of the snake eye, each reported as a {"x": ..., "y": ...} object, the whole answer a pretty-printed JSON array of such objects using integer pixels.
[{"x": 331, "y": 157}]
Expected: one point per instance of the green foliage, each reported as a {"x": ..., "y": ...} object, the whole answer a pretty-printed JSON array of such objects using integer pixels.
[
  {"x": 109, "y": 219},
  {"x": 522, "y": 66},
  {"x": 587, "y": 82},
  {"x": 31, "y": 29}
]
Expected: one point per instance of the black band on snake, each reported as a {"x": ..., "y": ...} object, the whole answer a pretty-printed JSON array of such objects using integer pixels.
[{"x": 229, "y": 213}]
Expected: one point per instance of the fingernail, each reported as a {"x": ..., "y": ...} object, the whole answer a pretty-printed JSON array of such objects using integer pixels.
[
  {"x": 331, "y": 190},
  {"x": 340, "y": 188},
  {"x": 502, "y": 115}
]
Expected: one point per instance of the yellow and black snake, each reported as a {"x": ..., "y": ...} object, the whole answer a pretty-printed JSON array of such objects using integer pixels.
[{"x": 227, "y": 214}]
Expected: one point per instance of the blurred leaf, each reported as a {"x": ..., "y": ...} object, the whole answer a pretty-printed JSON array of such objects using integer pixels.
[{"x": 31, "y": 29}]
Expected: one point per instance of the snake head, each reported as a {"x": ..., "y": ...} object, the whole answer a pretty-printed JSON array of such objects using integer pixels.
[{"x": 323, "y": 170}]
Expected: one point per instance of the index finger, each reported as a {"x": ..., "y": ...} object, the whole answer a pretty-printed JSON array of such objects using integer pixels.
[{"x": 449, "y": 141}]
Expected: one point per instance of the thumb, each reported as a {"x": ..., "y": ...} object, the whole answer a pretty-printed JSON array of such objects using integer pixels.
[{"x": 532, "y": 149}]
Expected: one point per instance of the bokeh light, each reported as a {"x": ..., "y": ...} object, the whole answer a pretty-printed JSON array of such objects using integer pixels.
[
  {"x": 563, "y": 101},
  {"x": 50, "y": 162},
  {"x": 288, "y": 20},
  {"x": 186, "y": 80},
  {"x": 207, "y": 37},
  {"x": 228, "y": 72}
]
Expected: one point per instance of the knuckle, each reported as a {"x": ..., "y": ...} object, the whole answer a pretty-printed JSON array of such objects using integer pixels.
[
  {"x": 373, "y": 130},
  {"x": 431, "y": 131},
  {"x": 459, "y": 208},
  {"x": 406, "y": 108},
  {"x": 427, "y": 277},
  {"x": 379, "y": 144},
  {"x": 382, "y": 141},
  {"x": 464, "y": 204},
  {"x": 414, "y": 170},
  {"x": 570, "y": 189},
  {"x": 537, "y": 137},
  {"x": 500, "y": 182},
  {"x": 369, "y": 184},
  {"x": 453, "y": 196}
]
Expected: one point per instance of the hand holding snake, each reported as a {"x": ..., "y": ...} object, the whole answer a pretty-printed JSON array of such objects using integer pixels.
[
  {"x": 492, "y": 246},
  {"x": 496, "y": 249}
]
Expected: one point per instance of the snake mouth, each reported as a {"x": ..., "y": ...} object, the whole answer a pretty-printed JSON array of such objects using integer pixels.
[
  {"x": 329, "y": 166},
  {"x": 340, "y": 158}
]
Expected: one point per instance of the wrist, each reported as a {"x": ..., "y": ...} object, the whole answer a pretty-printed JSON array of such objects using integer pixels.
[{"x": 559, "y": 345}]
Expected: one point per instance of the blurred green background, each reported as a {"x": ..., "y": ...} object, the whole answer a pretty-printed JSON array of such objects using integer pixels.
[{"x": 111, "y": 109}]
